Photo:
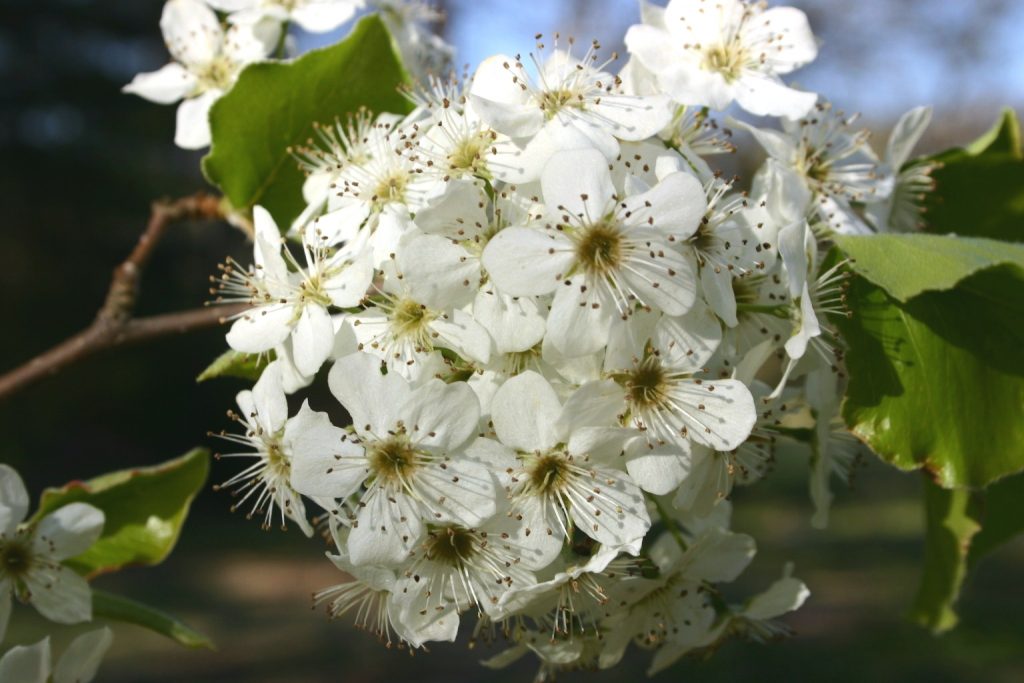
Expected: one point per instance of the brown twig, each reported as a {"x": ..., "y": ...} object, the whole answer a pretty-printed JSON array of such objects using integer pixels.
[{"x": 114, "y": 325}]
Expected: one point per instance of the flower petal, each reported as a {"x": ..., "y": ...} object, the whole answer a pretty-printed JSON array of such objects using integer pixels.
[
  {"x": 166, "y": 85},
  {"x": 13, "y": 500},
  {"x": 68, "y": 531},
  {"x": 525, "y": 412}
]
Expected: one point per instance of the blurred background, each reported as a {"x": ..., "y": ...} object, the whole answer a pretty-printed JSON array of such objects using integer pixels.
[{"x": 80, "y": 164}]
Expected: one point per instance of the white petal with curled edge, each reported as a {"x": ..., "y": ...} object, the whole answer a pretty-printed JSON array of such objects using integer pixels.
[
  {"x": 525, "y": 411},
  {"x": 60, "y": 595},
  {"x": 515, "y": 323},
  {"x": 905, "y": 135},
  {"x": 191, "y": 31},
  {"x": 386, "y": 530},
  {"x": 325, "y": 462},
  {"x": 192, "y": 122},
  {"x": 27, "y": 663},
  {"x": 82, "y": 658},
  {"x": 166, "y": 85},
  {"x": 13, "y": 500},
  {"x": 261, "y": 329},
  {"x": 68, "y": 531},
  {"x": 528, "y": 261},
  {"x": 785, "y": 595},
  {"x": 269, "y": 401},
  {"x": 312, "y": 339},
  {"x": 463, "y": 335},
  {"x": 442, "y": 416},
  {"x": 371, "y": 398}
]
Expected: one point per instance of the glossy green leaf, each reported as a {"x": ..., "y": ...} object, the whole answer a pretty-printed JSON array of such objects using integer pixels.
[
  {"x": 231, "y": 363},
  {"x": 937, "y": 382},
  {"x": 273, "y": 106},
  {"x": 907, "y": 265},
  {"x": 115, "y": 607},
  {"x": 951, "y": 519},
  {"x": 144, "y": 507},
  {"x": 980, "y": 188}
]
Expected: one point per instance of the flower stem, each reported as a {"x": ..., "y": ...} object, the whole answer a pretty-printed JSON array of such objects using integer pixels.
[{"x": 669, "y": 522}]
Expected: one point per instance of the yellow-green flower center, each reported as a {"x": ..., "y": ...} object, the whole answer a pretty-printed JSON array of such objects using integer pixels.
[{"x": 599, "y": 249}]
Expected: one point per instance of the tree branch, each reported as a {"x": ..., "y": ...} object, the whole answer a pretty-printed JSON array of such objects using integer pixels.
[{"x": 114, "y": 325}]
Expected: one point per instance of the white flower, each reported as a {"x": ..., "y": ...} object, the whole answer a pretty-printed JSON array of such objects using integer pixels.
[
  {"x": 371, "y": 197},
  {"x": 315, "y": 16},
  {"x": 606, "y": 255},
  {"x": 31, "y": 555},
  {"x": 370, "y": 595},
  {"x": 455, "y": 569},
  {"x": 293, "y": 304},
  {"x": 79, "y": 663},
  {"x": 266, "y": 483},
  {"x": 834, "y": 163},
  {"x": 566, "y": 470},
  {"x": 207, "y": 58},
  {"x": 674, "y": 612},
  {"x": 659, "y": 394},
  {"x": 757, "y": 619},
  {"x": 408, "y": 334},
  {"x": 712, "y": 52},
  {"x": 408, "y": 452},
  {"x": 902, "y": 210},
  {"x": 571, "y": 103}
]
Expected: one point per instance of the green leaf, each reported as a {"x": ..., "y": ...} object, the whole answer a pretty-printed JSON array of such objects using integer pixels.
[
  {"x": 144, "y": 507},
  {"x": 1004, "y": 136},
  {"x": 118, "y": 608},
  {"x": 962, "y": 526},
  {"x": 980, "y": 189},
  {"x": 1002, "y": 516},
  {"x": 907, "y": 265},
  {"x": 273, "y": 106},
  {"x": 937, "y": 382},
  {"x": 951, "y": 522},
  {"x": 233, "y": 363}
]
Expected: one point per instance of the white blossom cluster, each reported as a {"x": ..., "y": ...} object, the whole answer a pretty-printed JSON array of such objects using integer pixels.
[
  {"x": 32, "y": 568},
  {"x": 211, "y": 41},
  {"x": 560, "y": 337}
]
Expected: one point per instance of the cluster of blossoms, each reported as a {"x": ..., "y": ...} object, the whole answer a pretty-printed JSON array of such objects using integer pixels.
[
  {"x": 33, "y": 569},
  {"x": 560, "y": 338},
  {"x": 208, "y": 53}
]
